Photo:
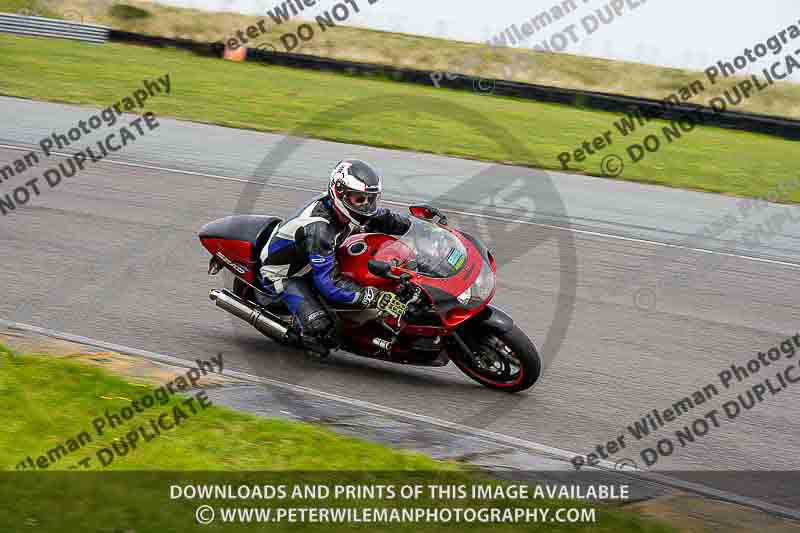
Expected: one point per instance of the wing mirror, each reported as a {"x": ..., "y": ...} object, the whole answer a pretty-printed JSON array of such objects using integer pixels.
[
  {"x": 423, "y": 211},
  {"x": 382, "y": 269},
  {"x": 428, "y": 212}
]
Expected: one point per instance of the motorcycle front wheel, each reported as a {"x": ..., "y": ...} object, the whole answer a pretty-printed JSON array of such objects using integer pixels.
[{"x": 501, "y": 361}]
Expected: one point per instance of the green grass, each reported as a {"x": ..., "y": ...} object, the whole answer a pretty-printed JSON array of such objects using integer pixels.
[
  {"x": 387, "y": 114},
  {"x": 427, "y": 53},
  {"x": 47, "y": 401},
  {"x": 50, "y": 401}
]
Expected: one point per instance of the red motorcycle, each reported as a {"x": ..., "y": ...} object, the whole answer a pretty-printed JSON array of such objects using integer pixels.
[{"x": 446, "y": 278}]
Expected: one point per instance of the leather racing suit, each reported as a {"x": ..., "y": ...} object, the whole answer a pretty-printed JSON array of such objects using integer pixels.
[{"x": 299, "y": 262}]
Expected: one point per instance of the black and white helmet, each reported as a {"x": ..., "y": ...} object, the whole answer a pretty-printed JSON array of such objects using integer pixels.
[{"x": 354, "y": 189}]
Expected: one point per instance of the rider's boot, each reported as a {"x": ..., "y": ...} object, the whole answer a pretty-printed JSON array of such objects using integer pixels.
[
  {"x": 317, "y": 334},
  {"x": 315, "y": 346}
]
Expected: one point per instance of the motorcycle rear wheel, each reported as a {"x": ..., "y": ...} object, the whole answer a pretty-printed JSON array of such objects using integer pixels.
[{"x": 505, "y": 361}]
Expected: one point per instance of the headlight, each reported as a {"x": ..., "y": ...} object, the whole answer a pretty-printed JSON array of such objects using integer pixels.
[
  {"x": 481, "y": 289},
  {"x": 484, "y": 285}
]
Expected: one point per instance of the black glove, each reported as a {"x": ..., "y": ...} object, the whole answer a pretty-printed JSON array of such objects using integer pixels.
[
  {"x": 369, "y": 297},
  {"x": 387, "y": 222}
]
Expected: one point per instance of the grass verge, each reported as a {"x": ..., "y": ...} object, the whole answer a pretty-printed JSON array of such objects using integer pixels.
[
  {"x": 404, "y": 50},
  {"x": 387, "y": 114},
  {"x": 48, "y": 401}
]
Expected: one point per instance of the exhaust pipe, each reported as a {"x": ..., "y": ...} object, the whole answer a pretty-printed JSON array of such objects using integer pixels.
[{"x": 255, "y": 317}]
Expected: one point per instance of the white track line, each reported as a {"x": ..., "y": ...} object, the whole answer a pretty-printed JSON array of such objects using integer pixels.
[
  {"x": 465, "y": 213},
  {"x": 489, "y": 435}
]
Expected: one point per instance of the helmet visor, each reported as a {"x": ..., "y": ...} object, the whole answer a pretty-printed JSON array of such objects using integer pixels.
[{"x": 365, "y": 203}]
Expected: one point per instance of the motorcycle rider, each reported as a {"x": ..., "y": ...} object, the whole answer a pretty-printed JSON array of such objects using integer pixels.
[{"x": 299, "y": 260}]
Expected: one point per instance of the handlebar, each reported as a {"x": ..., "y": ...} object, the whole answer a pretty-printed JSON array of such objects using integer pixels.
[{"x": 404, "y": 287}]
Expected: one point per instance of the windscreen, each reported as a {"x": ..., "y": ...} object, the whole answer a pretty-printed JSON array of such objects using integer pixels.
[{"x": 428, "y": 249}]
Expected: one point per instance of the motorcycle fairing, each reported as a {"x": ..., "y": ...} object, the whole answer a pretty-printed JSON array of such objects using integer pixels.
[{"x": 237, "y": 241}]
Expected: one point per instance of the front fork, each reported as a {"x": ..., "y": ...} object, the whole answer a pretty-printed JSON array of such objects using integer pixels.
[
  {"x": 491, "y": 318},
  {"x": 462, "y": 345}
]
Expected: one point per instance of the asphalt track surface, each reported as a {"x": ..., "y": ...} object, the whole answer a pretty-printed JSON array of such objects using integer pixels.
[{"x": 112, "y": 254}]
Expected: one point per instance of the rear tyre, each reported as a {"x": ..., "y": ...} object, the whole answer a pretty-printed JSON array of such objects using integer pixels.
[{"x": 506, "y": 361}]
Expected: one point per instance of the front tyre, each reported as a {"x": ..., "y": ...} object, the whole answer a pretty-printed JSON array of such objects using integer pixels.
[{"x": 501, "y": 361}]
